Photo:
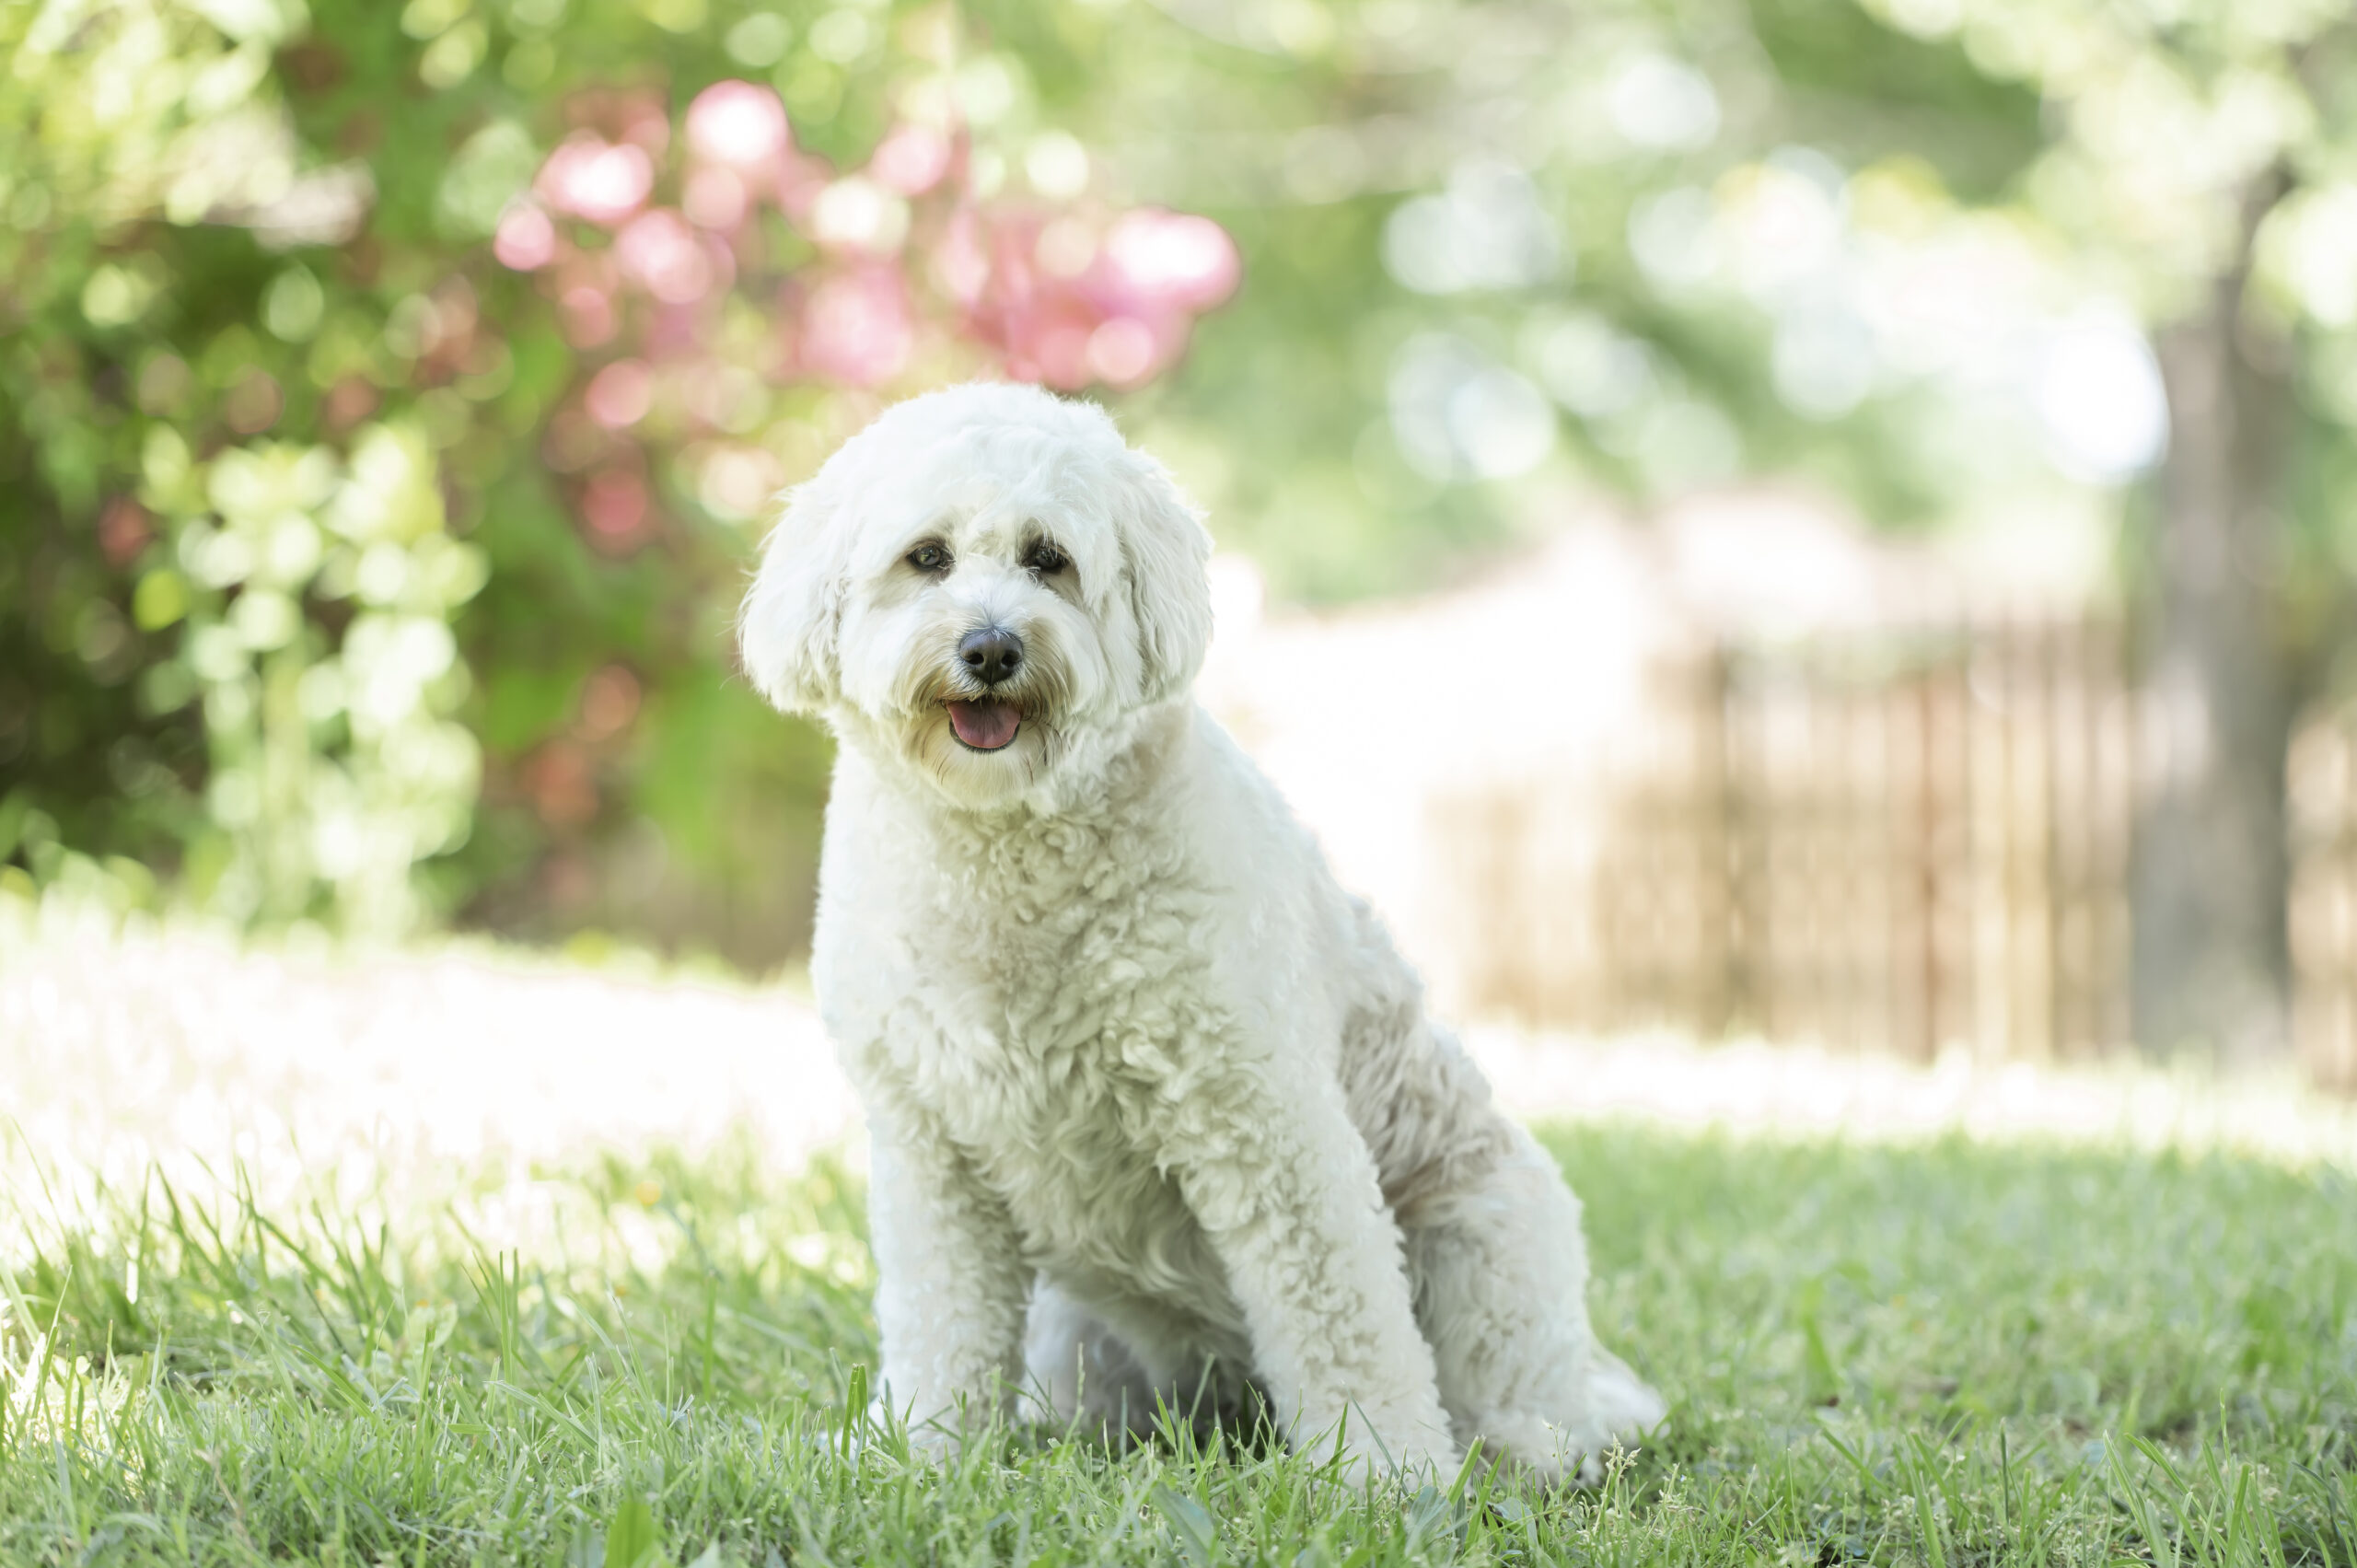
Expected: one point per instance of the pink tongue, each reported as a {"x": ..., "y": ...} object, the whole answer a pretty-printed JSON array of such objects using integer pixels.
[{"x": 985, "y": 727}]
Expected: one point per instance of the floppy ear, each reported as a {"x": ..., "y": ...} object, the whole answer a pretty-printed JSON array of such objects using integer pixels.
[
  {"x": 1165, "y": 547},
  {"x": 787, "y": 629}
]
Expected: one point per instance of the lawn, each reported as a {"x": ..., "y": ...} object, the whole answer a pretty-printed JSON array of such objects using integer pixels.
[{"x": 1949, "y": 1352}]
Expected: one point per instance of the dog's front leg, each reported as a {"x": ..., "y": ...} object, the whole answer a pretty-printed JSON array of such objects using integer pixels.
[
  {"x": 1287, "y": 1192},
  {"x": 951, "y": 1287}
]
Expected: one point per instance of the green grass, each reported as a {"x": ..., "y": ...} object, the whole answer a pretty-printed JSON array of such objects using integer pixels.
[{"x": 1944, "y": 1354}]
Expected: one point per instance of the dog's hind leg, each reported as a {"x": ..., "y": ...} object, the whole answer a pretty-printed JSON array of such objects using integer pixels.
[
  {"x": 1500, "y": 1271},
  {"x": 1080, "y": 1373}
]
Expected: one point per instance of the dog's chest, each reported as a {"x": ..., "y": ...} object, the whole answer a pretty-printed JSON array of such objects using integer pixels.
[
  {"x": 1062, "y": 1138},
  {"x": 1061, "y": 1078},
  {"x": 1063, "y": 989}
]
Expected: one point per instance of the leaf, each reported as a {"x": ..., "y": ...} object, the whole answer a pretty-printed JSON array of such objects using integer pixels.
[
  {"x": 856, "y": 1407},
  {"x": 1432, "y": 1514},
  {"x": 1823, "y": 1379},
  {"x": 630, "y": 1539},
  {"x": 1197, "y": 1536}
]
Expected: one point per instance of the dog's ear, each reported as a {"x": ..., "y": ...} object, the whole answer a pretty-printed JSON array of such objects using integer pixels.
[
  {"x": 1166, "y": 549},
  {"x": 787, "y": 630}
]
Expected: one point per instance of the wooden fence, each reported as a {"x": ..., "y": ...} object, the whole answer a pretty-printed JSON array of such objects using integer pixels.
[{"x": 1899, "y": 843}]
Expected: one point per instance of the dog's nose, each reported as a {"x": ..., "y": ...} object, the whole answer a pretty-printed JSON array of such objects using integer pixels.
[{"x": 994, "y": 652}]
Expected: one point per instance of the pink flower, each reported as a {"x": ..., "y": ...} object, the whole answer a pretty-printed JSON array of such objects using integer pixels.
[
  {"x": 614, "y": 505},
  {"x": 714, "y": 199},
  {"x": 620, "y": 395},
  {"x": 738, "y": 124},
  {"x": 661, "y": 253},
  {"x": 589, "y": 316},
  {"x": 1065, "y": 308},
  {"x": 961, "y": 263},
  {"x": 599, "y": 180},
  {"x": 1175, "y": 259},
  {"x": 1123, "y": 351},
  {"x": 1071, "y": 296},
  {"x": 1048, "y": 341},
  {"x": 584, "y": 285},
  {"x": 911, "y": 160},
  {"x": 526, "y": 240},
  {"x": 856, "y": 327}
]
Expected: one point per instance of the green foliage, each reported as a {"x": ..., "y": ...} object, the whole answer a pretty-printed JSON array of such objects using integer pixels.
[
  {"x": 1952, "y": 1353},
  {"x": 334, "y": 772},
  {"x": 322, "y": 586},
  {"x": 263, "y": 388}
]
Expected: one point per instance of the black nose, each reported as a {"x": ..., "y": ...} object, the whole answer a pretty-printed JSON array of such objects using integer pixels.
[{"x": 994, "y": 652}]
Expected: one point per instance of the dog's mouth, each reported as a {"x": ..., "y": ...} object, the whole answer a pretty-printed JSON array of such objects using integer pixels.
[{"x": 986, "y": 725}]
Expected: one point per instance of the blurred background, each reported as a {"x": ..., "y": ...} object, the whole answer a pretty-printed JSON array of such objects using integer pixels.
[{"x": 1867, "y": 484}]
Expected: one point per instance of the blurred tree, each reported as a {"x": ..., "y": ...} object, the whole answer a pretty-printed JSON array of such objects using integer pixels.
[
  {"x": 1500, "y": 252},
  {"x": 2197, "y": 159}
]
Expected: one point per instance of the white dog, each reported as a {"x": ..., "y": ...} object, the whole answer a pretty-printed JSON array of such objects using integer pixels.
[{"x": 1156, "y": 1111}]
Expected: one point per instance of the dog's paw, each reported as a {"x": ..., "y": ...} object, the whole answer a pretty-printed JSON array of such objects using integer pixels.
[
  {"x": 1366, "y": 1456},
  {"x": 1555, "y": 1454},
  {"x": 1619, "y": 1403}
]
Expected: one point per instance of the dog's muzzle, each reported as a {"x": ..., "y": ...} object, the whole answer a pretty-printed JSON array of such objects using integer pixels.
[{"x": 992, "y": 654}]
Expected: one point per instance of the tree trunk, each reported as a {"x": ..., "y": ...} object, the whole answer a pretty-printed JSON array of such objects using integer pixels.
[{"x": 2210, "y": 968}]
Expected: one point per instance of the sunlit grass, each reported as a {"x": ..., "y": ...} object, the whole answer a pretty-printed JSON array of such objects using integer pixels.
[
  {"x": 1947, "y": 1353},
  {"x": 462, "y": 1256}
]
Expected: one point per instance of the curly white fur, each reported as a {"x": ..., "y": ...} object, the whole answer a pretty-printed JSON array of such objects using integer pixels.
[{"x": 1157, "y": 1113}]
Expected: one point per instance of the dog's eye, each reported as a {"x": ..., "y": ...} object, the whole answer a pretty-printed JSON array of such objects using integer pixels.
[
  {"x": 1045, "y": 558},
  {"x": 930, "y": 558}
]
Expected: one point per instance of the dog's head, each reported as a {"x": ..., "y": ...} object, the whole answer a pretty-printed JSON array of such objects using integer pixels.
[{"x": 980, "y": 581}]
